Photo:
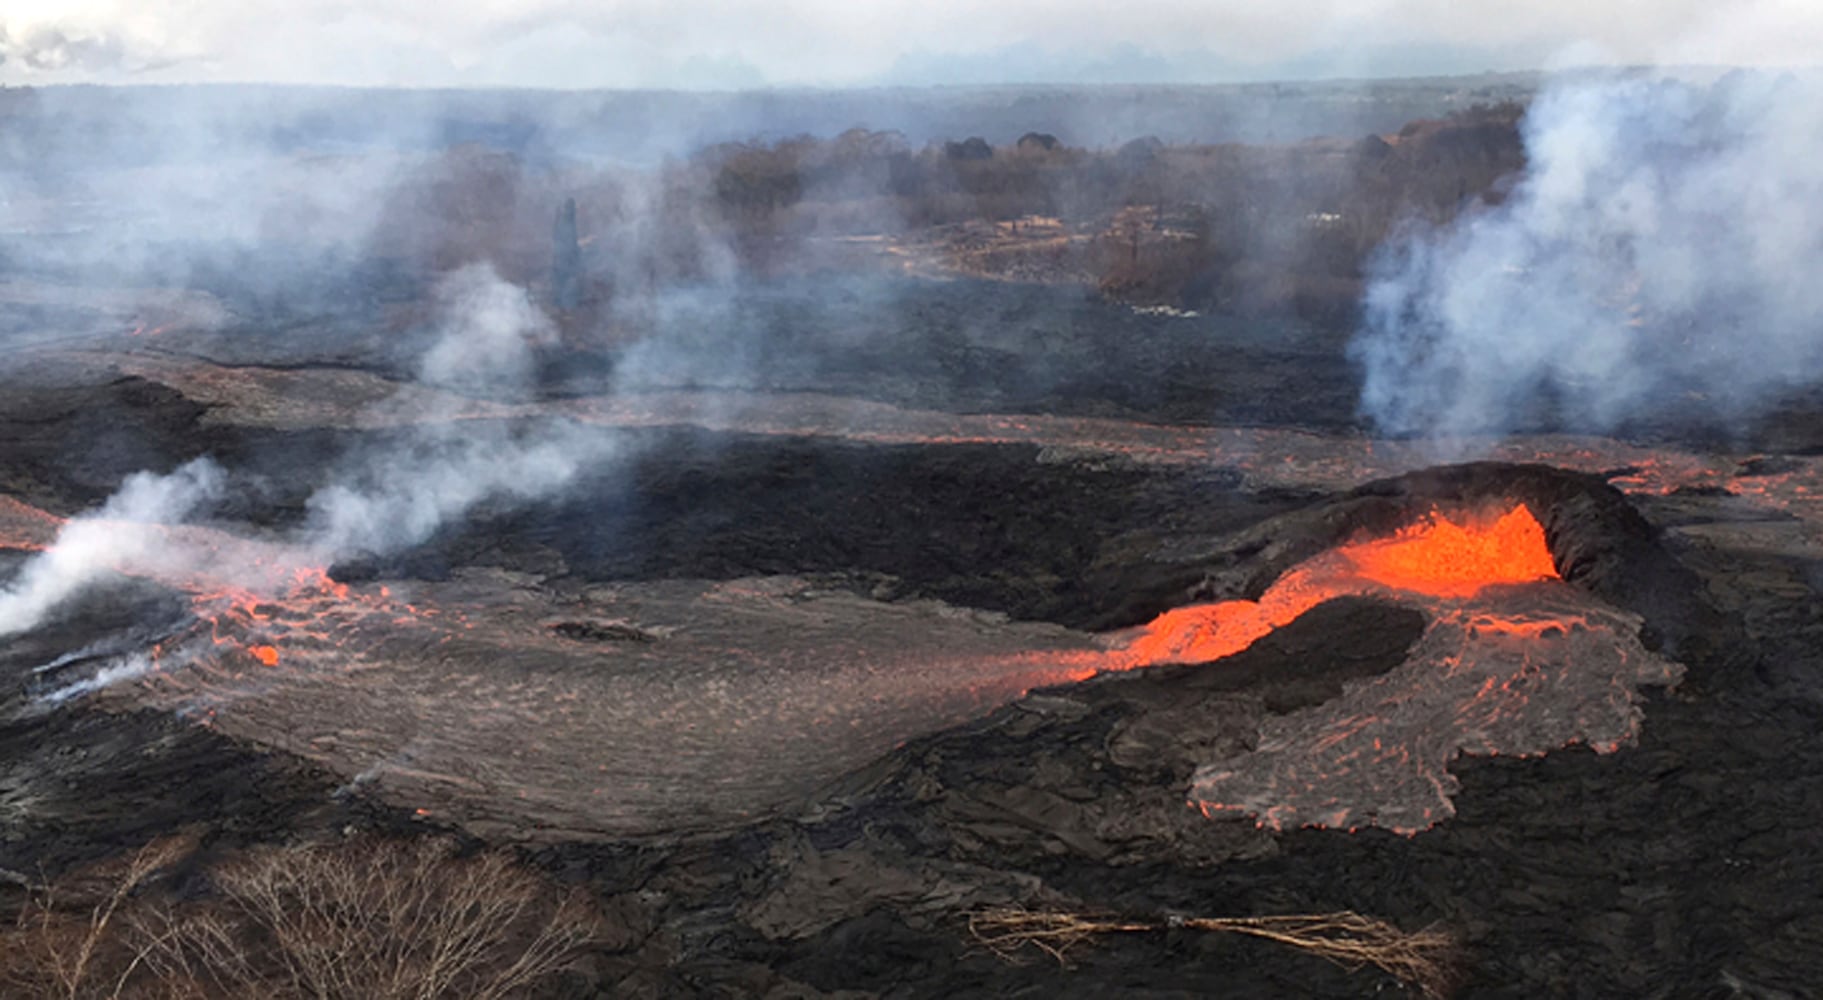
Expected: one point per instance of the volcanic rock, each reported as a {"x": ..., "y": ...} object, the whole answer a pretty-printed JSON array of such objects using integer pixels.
[{"x": 1675, "y": 864}]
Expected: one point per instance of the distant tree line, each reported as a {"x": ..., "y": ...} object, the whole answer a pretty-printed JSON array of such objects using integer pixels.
[{"x": 1248, "y": 226}]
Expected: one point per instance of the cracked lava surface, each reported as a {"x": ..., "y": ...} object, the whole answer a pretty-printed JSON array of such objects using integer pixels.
[{"x": 709, "y": 704}]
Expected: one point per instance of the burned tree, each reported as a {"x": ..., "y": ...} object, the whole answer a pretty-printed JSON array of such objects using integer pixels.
[{"x": 566, "y": 258}]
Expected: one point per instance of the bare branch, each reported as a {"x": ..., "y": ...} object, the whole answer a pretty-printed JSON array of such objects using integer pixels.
[{"x": 1426, "y": 959}]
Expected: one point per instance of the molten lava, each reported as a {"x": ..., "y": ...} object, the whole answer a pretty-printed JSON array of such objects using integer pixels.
[
  {"x": 26, "y": 528},
  {"x": 1518, "y": 672},
  {"x": 1436, "y": 558},
  {"x": 1440, "y": 558}
]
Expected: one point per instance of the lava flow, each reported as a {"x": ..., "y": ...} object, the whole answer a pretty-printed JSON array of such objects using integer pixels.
[
  {"x": 1545, "y": 668},
  {"x": 26, "y": 528},
  {"x": 1513, "y": 662},
  {"x": 251, "y": 602},
  {"x": 1436, "y": 558},
  {"x": 429, "y": 699}
]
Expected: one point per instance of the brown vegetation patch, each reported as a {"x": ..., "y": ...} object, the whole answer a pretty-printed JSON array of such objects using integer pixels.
[{"x": 378, "y": 919}]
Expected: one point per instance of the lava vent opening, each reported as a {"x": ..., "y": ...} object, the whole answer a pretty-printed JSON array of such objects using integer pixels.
[
  {"x": 1441, "y": 557},
  {"x": 1513, "y": 661}
]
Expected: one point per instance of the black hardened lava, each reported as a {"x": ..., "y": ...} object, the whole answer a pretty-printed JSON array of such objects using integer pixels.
[
  {"x": 987, "y": 526},
  {"x": 1651, "y": 871}
]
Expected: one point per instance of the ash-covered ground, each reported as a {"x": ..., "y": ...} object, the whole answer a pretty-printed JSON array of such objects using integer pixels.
[{"x": 757, "y": 675}]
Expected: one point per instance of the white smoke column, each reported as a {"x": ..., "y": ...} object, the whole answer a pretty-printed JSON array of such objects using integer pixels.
[
  {"x": 402, "y": 495},
  {"x": 403, "y": 498},
  {"x": 1658, "y": 260},
  {"x": 489, "y": 329},
  {"x": 121, "y": 668},
  {"x": 122, "y": 535},
  {"x": 398, "y": 497}
]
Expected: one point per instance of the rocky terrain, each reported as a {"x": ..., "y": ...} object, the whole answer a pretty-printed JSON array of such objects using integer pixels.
[
  {"x": 888, "y": 562},
  {"x": 809, "y": 668}
]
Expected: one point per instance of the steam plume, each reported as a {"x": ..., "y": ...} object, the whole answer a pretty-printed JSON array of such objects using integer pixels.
[
  {"x": 386, "y": 500},
  {"x": 489, "y": 328},
  {"x": 399, "y": 496},
  {"x": 1656, "y": 262},
  {"x": 122, "y": 534}
]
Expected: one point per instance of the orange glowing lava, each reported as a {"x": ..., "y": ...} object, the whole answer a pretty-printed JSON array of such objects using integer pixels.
[
  {"x": 1440, "y": 558},
  {"x": 1436, "y": 558},
  {"x": 25, "y": 527},
  {"x": 269, "y": 655}
]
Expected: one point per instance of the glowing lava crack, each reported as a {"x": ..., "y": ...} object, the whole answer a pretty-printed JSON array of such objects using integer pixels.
[{"x": 1514, "y": 661}]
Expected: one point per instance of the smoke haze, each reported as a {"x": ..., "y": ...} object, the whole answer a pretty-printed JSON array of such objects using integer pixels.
[
  {"x": 399, "y": 496},
  {"x": 123, "y": 533},
  {"x": 1655, "y": 263},
  {"x": 378, "y": 501}
]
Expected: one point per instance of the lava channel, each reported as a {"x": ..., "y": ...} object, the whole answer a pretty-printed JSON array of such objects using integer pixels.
[
  {"x": 1438, "y": 558},
  {"x": 1513, "y": 662}
]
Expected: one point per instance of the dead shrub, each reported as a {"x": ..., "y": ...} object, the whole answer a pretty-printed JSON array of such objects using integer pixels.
[
  {"x": 1426, "y": 959},
  {"x": 374, "y": 919},
  {"x": 70, "y": 939}
]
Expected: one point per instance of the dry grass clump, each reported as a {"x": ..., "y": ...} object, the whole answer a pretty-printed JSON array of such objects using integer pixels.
[
  {"x": 1426, "y": 959},
  {"x": 379, "y": 919}
]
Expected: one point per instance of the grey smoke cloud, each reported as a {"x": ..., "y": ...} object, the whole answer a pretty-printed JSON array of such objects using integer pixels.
[
  {"x": 489, "y": 329},
  {"x": 400, "y": 495},
  {"x": 402, "y": 498},
  {"x": 124, "y": 534},
  {"x": 1656, "y": 261},
  {"x": 381, "y": 501}
]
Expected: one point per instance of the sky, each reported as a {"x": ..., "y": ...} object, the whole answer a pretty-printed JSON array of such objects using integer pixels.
[{"x": 737, "y": 44}]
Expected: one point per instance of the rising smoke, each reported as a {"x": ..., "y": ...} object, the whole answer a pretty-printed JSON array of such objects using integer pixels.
[
  {"x": 489, "y": 329},
  {"x": 1654, "y": 264},
  {"x": 125, "y": 534},
  {"x": 401, "y": 494},
  {"x": 381, "y": 501}
]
